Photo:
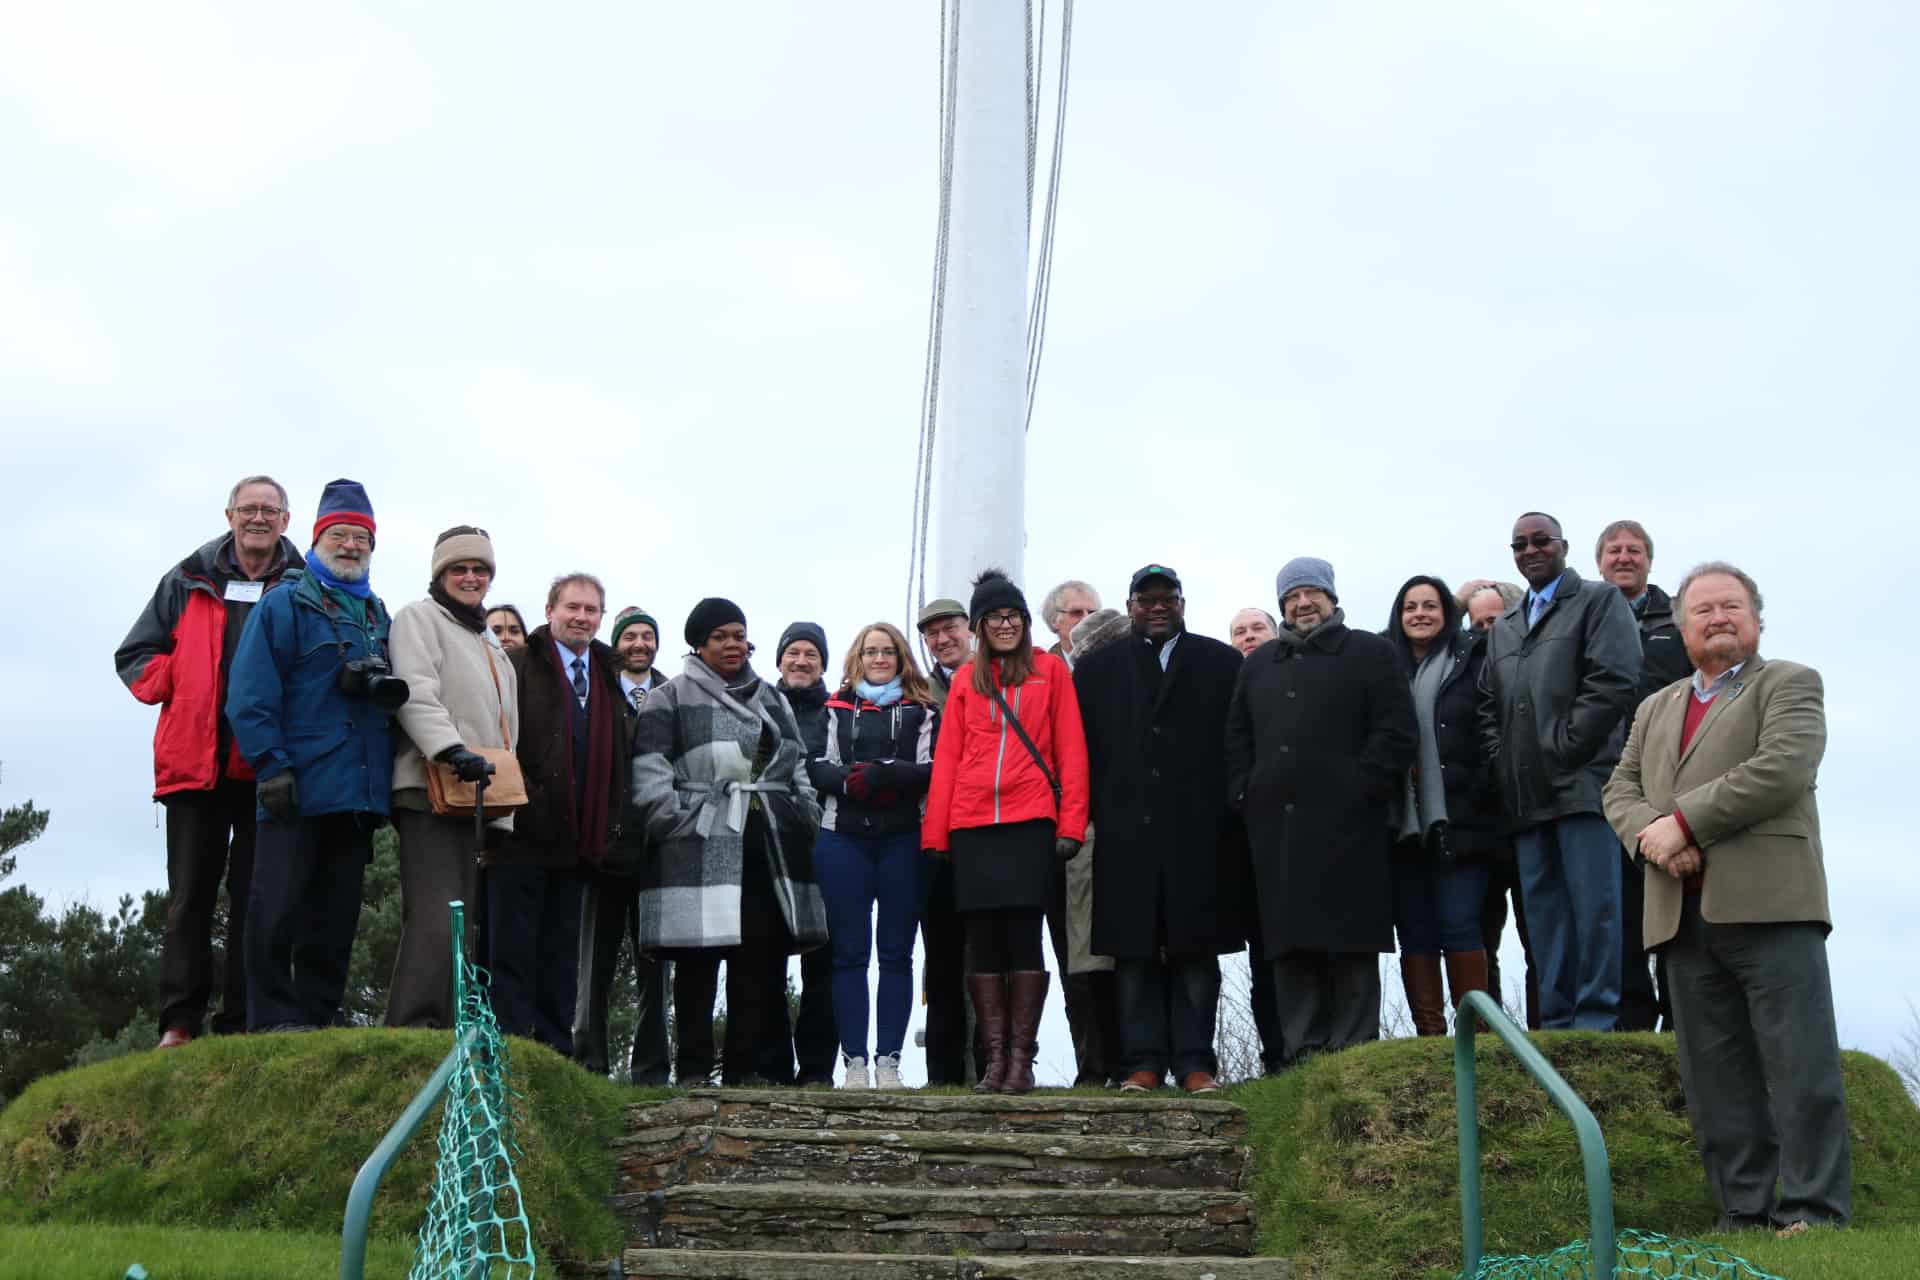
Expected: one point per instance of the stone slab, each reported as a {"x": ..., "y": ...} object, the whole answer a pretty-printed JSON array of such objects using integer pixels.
[
  {"x": 1153, "y": 1116},
  {"x": 685, "y": 1264}
]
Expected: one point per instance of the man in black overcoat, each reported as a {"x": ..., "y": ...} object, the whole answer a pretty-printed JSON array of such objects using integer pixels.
[
  {"x": 1320, "y": 733},
  {"x": 1164, "y": 903}
]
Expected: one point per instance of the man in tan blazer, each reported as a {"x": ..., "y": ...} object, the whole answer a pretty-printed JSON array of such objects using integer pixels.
[{"x": 1715, "y": 791}]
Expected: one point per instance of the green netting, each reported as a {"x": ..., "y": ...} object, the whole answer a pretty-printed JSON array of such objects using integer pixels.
[
  {"x": 1639, "y": 1253},
  {"x": 476, "y": 1223}
]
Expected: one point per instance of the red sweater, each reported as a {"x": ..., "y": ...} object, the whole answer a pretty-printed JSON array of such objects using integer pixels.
[{"x": 1696, "y": 716}]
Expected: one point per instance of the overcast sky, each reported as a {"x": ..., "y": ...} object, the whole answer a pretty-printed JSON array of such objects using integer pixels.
[{"x": 642, "y": 290}]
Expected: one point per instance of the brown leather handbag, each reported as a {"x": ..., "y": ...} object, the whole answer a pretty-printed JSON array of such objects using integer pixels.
[{"x": 506, "y": 786}]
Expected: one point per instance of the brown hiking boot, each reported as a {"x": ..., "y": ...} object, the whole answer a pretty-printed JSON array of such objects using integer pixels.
[
  {"x": 988, "y": 991},
  {"x": 1027, "y": 998}
]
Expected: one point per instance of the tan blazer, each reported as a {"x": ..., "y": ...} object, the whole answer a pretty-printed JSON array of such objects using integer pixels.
[{"x": 1745, "y": 786}]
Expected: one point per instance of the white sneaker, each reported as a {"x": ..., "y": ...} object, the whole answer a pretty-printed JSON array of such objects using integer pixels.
[
  {"x": 886, "y": 1072},
  {"x": 856, "y": 1077}
]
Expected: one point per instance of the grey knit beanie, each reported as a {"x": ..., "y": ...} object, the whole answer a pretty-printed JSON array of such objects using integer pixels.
[{"x": 1305, "y": 571}]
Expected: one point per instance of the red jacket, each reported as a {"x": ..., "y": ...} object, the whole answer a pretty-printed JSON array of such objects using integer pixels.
[
  {"x": 172, "y": 656},
  {"x": 983, "y": 774}
]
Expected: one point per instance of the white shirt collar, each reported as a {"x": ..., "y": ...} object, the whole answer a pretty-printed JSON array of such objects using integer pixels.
[{"x": 1707, "y": 690}]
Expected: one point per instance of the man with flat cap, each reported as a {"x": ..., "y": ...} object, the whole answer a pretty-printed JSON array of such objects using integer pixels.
[{"x": 943, "y": 630}]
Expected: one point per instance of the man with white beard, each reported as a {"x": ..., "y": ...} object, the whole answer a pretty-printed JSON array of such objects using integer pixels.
[{"x": 310, "y": 698}]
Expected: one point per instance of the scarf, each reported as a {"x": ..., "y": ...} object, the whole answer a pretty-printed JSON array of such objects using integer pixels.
[
  {"x": 1425, "y": 800},
  {"x": 471, "y": 616},
  {"x": 1291, "y": 639},
  {"x": 880, "y": 695},
  {"x": 360, "y": 590}
]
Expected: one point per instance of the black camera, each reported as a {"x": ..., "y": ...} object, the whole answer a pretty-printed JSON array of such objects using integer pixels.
[{"x": 373, "y": 679}]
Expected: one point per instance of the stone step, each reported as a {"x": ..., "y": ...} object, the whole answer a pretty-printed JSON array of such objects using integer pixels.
[
  {"x": 671, "y": 1155},
  {"x": 1116, "y": 1114},
  {"x": 716, "y": 1264},
  {"x": 814, "y": 1218}
]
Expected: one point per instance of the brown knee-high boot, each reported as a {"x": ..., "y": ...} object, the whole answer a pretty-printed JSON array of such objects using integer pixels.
[
  {"x": 1027, "y": 994},
  {"x": 1426, "y": 1002},
  {"x": 1467, "y": 971},
  {"x": 988, "y": 991}
]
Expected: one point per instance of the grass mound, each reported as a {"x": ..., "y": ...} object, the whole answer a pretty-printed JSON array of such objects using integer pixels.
[
  {"x": 265, "y": 1133},
  {"x": 52, "y": 1251},
  {"x": 1358, "y": 1171}
]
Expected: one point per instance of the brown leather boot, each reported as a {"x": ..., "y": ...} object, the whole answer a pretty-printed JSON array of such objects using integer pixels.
[
  {"x": 988, "y": 991},
  {"x": 1467, "y": 971},
  {"x": 1426, "y": 1001},
  {"x": 1027, "y": 995}
]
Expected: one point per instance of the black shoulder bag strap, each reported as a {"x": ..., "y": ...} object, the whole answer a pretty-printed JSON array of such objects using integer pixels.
[{"x": 1025, "y": 741}]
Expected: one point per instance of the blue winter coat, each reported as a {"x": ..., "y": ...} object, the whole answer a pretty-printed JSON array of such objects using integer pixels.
[{"x": 286, "y": 708}]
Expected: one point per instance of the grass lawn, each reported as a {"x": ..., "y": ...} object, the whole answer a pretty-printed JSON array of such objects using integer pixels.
[
  {"x": 1357, "y": 1168},
  {"x": 265, "y": 1132},
  {"x": 87, "y": 1251}
]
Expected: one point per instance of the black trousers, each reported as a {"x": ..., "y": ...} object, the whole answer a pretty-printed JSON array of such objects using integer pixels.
[
  {"x": 1644, "y": 1003},
  {"x": 303, "y": 908},
  {"x": 1503, "y": 881},
  {"x": 1167, "y": 1009},
  {"x": 1327, "y": 1001},
  {"x": 1266, "y": 1007},
  {"x": 437, "y": 866},
  {"x": 610, "y": 919},
  {"x": 943, "y": 979},
  {"x": 816, "y": 1041},
  {"x": 1090, "y": 1052},
  {"x": 696, "y": 983},
  {"x": 209, "y": 839},
  {"x": 533, "y": 950},
  {"x": 1760, "y": 1063}
]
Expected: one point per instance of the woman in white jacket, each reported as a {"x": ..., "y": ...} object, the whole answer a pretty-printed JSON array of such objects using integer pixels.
[{"x": 461, "y": 694}]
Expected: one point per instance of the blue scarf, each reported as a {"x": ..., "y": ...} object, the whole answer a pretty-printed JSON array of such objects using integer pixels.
[
  {"x": 315, "y": 566},
  {"x": 880, "y": 695}
]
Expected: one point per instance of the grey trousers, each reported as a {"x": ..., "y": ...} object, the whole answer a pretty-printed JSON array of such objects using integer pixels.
[
  {"x": 1753, "y": 1016},
  {"x": 437, "y": 866},
  {"x": 1327, "y": 1000},
  {"x": 609, "y": 918}
]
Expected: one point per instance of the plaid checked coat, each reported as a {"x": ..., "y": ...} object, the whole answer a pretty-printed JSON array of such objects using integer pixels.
[{"x": 694, "y": 783}]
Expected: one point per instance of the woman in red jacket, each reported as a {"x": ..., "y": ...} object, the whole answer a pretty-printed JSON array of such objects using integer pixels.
[{"x": 1009, "y": 795}]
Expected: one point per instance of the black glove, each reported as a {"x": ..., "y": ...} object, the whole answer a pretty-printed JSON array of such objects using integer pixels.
[
  {"x": 1066, "y": 849},
  {"x": 1439, "y": 843},
  {"x": 468, "y": 766},
  {"x": 894, "y": 775},
  {"x": 278, "y": 798}
]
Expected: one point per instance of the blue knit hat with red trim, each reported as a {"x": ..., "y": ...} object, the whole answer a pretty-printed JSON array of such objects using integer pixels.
[{"x": 343, "y": 502}]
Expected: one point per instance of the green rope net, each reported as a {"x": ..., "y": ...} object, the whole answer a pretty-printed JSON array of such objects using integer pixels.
[
  {"x": 476, "y": 1227},
  {"x": 1638, "y": 1253}
]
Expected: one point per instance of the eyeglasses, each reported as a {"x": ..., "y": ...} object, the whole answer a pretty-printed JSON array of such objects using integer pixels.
[
  {"x": 1150, "y": 603},
  {"x": 255, "y": 511},
  {"x": 1539, "y": 542},
  {"x": 347, "y": 537},
  {"x": 1004, "y": 618},
  {"x": 880, "y": 653},
  {"x": 470, "y": 571}
]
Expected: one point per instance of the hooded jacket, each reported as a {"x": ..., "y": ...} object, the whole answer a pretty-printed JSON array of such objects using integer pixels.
[
  {"x": 178, "y": 654},
  {"x": 859, "y": 732},
  {"x": 983, "y": 774}
]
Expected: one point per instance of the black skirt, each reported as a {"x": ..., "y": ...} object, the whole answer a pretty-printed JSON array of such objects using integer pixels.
[{"x": 1004, "y": 867}]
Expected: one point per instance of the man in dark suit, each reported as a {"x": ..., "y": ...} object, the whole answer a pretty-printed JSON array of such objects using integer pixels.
[{"x": 1715, "y": 792}]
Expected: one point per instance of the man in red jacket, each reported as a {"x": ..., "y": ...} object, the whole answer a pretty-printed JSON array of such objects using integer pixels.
[{"x": 178, "y": 655}]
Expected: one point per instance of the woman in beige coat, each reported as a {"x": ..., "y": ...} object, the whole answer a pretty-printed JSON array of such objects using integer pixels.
[{"x": 461, "y": 694}]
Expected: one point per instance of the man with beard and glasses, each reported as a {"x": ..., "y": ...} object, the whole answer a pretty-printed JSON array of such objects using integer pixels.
[
  {"x": 310, "y": 698},
  {"x": 1560, "y": 674},
  {"x": 180, "y": 654},
  {"x": 574, "y": 750},
  {"x": 610, "y": 916}
]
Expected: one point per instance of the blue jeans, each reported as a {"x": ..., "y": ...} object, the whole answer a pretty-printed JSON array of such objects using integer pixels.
[
  {"x": 856, "y": 873},
  {"x": 1436, "y": 904},
  {"x": 1570, "y": 891}
]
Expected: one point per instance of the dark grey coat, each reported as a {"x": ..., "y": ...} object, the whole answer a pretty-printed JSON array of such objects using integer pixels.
[
  {"x": 1320, "y": 736},
  {"x": 1551, "y": 699},
  {"x": 1168, "y": 870}
]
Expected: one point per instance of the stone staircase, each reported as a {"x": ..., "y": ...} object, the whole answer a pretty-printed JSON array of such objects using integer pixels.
[{"x": 794, "y": 1184}]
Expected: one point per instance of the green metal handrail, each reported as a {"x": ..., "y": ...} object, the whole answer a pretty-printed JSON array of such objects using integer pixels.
[
  {"x": 1480, "y": 1007},
  {"x": 353, "y": 1234}
]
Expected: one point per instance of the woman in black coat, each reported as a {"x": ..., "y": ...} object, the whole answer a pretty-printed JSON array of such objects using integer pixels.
[
  {"x": 1447, "y": 820},
  {"x": 1320, "y": 733}
]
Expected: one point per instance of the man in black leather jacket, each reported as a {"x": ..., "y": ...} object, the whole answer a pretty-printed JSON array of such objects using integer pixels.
[{"x": 1562, "y": 667}]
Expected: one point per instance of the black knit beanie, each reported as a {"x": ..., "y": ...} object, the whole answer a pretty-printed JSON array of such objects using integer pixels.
[
  {"x": 812, "y": 632},
  {"x": 992, "y": 590},
  {"x": 709, "y": 616}
]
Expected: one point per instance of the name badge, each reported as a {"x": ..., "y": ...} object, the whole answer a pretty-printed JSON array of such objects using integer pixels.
[{"x": 245, "y": 592}]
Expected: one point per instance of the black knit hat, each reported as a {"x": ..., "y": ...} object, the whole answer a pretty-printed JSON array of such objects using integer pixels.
[
  {"x": 812, "y": 632},
  {"x": 709, "y": 616},
  {"x": 993, "y": 589}
]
